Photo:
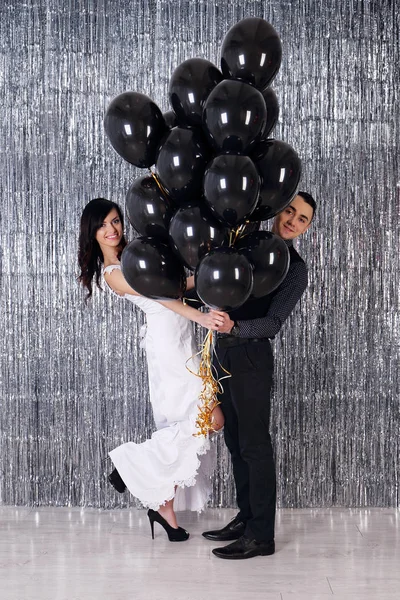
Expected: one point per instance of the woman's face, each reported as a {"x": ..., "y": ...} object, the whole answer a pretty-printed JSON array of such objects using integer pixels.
[{"x": 110, "y": 232}]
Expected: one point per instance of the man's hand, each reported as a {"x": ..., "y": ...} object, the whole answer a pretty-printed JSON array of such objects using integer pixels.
[{"x": 225, "y": 322}]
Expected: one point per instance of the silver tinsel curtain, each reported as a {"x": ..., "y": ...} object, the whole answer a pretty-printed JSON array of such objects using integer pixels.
[{"x": 73, "y": 378}]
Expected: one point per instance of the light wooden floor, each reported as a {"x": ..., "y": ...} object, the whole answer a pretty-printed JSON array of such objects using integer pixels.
[{"x": 89, "y": 554}]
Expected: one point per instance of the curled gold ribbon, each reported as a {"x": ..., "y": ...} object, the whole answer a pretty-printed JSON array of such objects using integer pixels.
[{"x": 211, "y": 386}]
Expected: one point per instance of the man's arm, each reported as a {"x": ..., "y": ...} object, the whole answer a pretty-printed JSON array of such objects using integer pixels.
[{"x": 286, "y": 298}]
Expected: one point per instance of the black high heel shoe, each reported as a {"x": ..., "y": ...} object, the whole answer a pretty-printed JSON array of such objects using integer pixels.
[
  {"x": 174, "y": 535},
  {"x": 115, "y": 479}
]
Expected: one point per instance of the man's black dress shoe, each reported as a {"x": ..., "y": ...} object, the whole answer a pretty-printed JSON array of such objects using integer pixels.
[
  {"x": 233, "y": 531},
  {"x": 245, "y": 547}
]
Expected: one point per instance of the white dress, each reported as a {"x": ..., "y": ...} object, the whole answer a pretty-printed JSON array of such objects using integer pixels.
[{"x": 173, "y": 456}]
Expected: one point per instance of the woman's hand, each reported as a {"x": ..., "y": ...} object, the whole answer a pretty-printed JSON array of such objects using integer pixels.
[
  {"x": 225, "y": 323},
  {"x": 212, "y": 320}
]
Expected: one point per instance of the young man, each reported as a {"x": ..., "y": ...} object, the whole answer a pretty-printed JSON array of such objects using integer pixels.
[{"x": 245, "y": 351}]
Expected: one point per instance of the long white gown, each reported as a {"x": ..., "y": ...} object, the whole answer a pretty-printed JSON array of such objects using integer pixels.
[{"x": 173, "y": 456}]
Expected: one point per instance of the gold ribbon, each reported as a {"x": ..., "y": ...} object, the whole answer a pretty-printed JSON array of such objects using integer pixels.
[
  {"x": 211, "y": 385},
  {"x": 236, "y": 234},
  {"x": 186, "y": 300},
  {"x": 159, "y": 184}
]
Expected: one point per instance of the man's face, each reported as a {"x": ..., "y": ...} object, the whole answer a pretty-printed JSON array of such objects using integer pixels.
[{"x": 294, "y": 220}]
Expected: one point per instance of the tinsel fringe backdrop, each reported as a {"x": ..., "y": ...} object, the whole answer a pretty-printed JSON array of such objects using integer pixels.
[{"x": 73, "y": 378}]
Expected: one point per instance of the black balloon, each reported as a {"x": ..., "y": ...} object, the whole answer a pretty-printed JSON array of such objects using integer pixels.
[
  {"x": 152, "y": 269},
  {"x": 252, "y": 52},
  {"x": 135, "y": 125},
  {"x": 234, "y": 117},
  {"x": 280, "y": 170},
  {"x": 224, "y": 279},
  {"x": 189, "y": 87},
  {"x": 149, "y": 211},
  {"x": 180, "y": 164},
  {"x": 269, "y": 256},
  {"x": 271, "y": 102},
  {"x": 170, "y": 119},
  {"x": 231, "y": 187},
  {"x": 194, "y": 232}
]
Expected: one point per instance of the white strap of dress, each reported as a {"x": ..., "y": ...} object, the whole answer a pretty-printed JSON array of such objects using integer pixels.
[{"x": 111, "y": 268}]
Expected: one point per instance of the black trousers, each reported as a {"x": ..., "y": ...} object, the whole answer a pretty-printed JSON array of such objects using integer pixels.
[{"x": 246, "y": 405}]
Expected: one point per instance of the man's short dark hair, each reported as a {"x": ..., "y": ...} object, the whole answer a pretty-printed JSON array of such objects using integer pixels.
[{"x": 309, "y": 199}]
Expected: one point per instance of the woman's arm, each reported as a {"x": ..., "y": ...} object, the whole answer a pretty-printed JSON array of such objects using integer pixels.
[
  {"x": 210, "y": 320},
  {"x": 190, "y": 282},
  {"x": 118, "y": 283}
]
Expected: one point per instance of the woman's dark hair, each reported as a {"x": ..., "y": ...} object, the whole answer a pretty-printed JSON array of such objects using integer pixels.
[
  {"x": 310, "y": 200},
  {"x": 90, "y": 256}
]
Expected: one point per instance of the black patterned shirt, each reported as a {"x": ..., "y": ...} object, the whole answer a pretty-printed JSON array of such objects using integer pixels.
[{"x": 263, "y": 318}]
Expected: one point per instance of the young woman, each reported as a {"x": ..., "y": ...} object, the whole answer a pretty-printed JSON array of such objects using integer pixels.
[{"x": 170, "y": 471}]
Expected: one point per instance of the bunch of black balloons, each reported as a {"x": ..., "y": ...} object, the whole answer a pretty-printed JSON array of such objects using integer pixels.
[{"x": 215, "y": 175}]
